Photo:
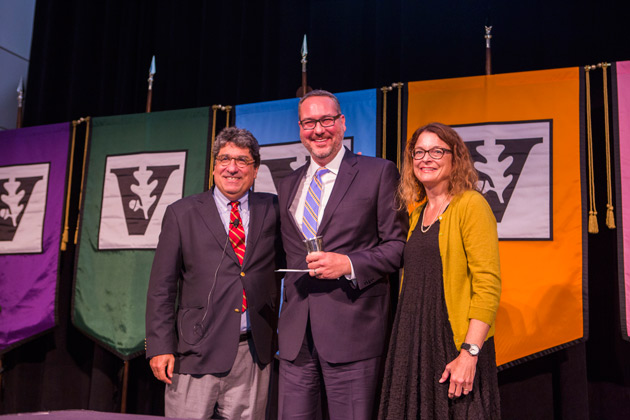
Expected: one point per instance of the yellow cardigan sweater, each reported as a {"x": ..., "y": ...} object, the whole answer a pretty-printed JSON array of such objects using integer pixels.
[{"x": 469, "y": 248}]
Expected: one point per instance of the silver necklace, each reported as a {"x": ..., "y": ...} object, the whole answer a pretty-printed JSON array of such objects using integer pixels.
[{"x": 436, "y": 216}]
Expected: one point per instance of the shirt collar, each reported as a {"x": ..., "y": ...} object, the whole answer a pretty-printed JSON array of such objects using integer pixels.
[
  {"x": 333, "y": 165},
  {"x": 222, "y": 201}
]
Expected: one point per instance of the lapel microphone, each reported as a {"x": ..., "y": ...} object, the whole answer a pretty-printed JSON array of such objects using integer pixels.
[{"x": 199, "y": 328}]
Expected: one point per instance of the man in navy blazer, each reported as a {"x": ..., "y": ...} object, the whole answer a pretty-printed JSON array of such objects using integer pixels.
[
  {"x": 334, "y": 320},
  {"x": 212, "y": 315}
]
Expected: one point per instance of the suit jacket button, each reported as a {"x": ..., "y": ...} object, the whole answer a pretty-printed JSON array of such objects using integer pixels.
[
  {"x": 237, "y": 310},
  {"x": 242, "y": 274}
]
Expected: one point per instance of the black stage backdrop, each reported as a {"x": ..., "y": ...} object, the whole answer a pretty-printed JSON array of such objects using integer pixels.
[{"x": 92, "y": 59}]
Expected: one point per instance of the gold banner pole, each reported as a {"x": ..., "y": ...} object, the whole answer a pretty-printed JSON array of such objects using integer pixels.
[
  {"x": 399, "y": 85},
  {"x": 65, "y": 236},
  {"x": 385, "y": 89},
  {"x": 227, "y": 110},
  {"x": 85, "y": 149},
  {"x": 215, "y": 108}
]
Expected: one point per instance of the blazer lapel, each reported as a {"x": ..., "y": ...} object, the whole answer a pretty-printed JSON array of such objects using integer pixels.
[
  {"x": 257, "y": 214},
  {"x": 210, "y": 215},
  {"x": 347, "y": 173},
  {"x": 297, "y": 181}
]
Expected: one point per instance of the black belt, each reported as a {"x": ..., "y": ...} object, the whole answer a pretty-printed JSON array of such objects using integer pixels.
[{"x": 245, "y": 336}]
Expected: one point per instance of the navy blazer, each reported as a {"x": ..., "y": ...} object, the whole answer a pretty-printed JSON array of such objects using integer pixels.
[
  {"x": 203, "y": 331},
  {"x": 360, "y": 220}
]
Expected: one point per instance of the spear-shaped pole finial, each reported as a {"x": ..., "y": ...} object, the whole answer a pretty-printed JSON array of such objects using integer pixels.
[
  {"x": 488, "y": 37},
  {"x": 20, "y": 99},
  {"x": 150, "y": 87},
  {"x": 304, "y": 53},
  {"x": 302, "y": 90}
]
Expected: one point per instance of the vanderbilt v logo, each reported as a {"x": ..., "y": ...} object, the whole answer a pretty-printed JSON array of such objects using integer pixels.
[
  {"x": 514, "y": 164},
  {"x": 136, "y": 192},
  {"x": 14, "y": 196},
  {"x": 23, "y": 191},
  {"x": 500, "y": 164},
  {"x": 141, "y": 189}
]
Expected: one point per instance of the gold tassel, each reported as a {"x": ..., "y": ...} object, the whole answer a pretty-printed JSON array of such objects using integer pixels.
[
  {"x": 64, "y": 238},
  {"x": 592, "y": 218},
  {"x": 592, "y": 222},
  {"x": 610, "y": 217}
]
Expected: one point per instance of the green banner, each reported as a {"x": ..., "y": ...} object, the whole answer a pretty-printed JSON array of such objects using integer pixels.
[{"x": 137, "y": 165}]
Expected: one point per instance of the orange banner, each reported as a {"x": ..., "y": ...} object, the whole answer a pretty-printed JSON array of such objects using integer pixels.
[{"x": 523, "y": 131}]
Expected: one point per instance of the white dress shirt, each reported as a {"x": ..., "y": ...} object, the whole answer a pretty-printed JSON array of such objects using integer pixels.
[
  {"x": 328, "y": 182},
  {"x": 225, "y": 208}
]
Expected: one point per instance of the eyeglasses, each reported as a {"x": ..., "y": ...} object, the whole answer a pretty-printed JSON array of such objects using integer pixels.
[
  {"x": 324, "y": 122},
  {"x": 240, "y": 161},
  {"x": 436, "y": 153}
]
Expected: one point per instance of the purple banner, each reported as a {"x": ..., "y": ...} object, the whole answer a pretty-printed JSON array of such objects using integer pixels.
[{"x": 33, "y": 167}]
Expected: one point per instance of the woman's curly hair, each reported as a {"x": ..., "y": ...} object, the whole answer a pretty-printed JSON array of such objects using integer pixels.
[{"x": 463, "y": 174}]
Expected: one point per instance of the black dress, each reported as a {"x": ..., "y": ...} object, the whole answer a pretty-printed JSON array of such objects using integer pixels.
[{"x": 421, "y": 345}]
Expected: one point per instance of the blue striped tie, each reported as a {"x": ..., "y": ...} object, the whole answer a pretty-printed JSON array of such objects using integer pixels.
[{"x": 311, "y": 205}]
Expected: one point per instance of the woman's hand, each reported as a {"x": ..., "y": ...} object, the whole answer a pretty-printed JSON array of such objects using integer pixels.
[
  {"x": 462, "y": 369},
  {"x": 462, "y": 373}
]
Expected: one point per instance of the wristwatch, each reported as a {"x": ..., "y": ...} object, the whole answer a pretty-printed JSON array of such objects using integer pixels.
[{"x": 473, "y": 349}]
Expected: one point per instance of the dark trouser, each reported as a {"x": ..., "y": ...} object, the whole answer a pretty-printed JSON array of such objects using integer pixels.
[{"x": 350, "y": 387}]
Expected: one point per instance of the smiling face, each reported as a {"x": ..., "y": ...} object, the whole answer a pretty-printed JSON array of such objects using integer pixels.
[
  {"x": 432, "y": 173},
  {"x": 231, "y": 180},
  {"x": 322, "y": 143}
]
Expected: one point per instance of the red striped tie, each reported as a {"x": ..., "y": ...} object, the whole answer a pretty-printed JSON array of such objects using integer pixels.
[{"x": 237, "y": 238}]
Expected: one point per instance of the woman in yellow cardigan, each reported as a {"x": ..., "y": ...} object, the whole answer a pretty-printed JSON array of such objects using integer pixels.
[{"x": 441, "y": 360}]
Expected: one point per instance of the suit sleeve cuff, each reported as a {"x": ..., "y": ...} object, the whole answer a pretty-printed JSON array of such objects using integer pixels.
[{"x": 352, "y": 276}]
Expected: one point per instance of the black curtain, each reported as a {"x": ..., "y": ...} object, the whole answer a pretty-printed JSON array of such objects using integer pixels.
[{"x": 92, "y": 59}]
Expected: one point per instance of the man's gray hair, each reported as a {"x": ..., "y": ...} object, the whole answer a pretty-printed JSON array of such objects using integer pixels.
[{"x": 240, "y": 138}]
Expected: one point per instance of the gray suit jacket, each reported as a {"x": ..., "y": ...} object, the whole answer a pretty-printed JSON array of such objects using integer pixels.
[
  {"x": 361, "y": 221},
  {"x": 194, "y": 249}
]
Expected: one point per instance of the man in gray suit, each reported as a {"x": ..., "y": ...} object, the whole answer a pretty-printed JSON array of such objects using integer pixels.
[
  {"x": 334, "y": 320},
  {"x": 212, "y": 304}
]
